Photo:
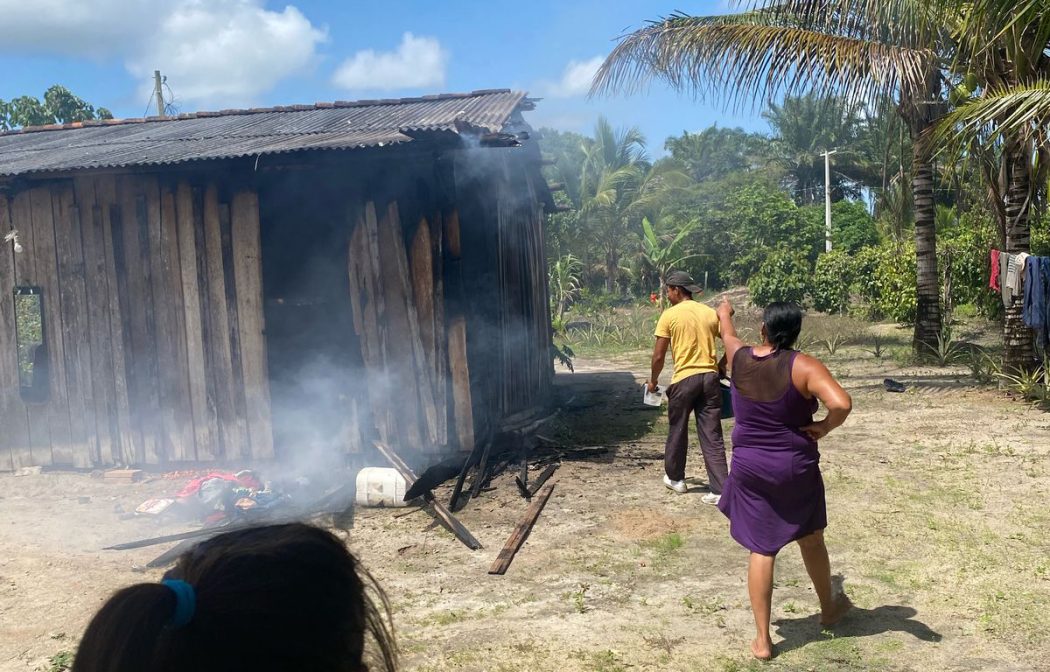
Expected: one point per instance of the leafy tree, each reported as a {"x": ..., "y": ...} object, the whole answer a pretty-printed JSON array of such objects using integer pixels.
[
  {"x": 715, "y": 152},
  {"x": 758, "y": 220},
  {"x": 564, "y": 282},
  {"x": 59, "y": 106},
  {"x": 662, "y": 252},
  {"x": 851, "y": 226},
  {"x": 783, "y": 276},
  {"x": 833, "y": 278}
]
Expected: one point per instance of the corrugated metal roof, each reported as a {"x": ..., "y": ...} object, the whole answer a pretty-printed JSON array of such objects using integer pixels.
[{"x": 240, "y": 133}]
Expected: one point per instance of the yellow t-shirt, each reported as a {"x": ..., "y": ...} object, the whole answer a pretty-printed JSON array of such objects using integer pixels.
[{"x": 692, "y": 327}]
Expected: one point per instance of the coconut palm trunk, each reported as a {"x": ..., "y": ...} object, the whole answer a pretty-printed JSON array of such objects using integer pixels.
[
  {"x": 927, "y": 289},
  {"x": 1018, "y": 353},
  {"x": 612, "y": 270},
  {"x": 920, "y": 108}
]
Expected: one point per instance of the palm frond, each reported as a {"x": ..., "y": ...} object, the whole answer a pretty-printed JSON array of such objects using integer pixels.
[
  {"x": 753, "y": 60},
  {"x": 1017, "y": 111}
]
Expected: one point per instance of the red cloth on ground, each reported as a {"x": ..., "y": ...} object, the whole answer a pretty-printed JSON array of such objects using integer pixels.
[
  {"x": 194, "y": 486},
  {"x": 993, "y": 281}
]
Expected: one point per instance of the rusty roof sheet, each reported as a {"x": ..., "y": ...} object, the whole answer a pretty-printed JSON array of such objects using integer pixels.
[{"x": 241, "y": 133}]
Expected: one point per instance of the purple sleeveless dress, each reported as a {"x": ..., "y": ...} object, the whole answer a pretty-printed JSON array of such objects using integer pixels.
[{"x": 774, "y": 493}]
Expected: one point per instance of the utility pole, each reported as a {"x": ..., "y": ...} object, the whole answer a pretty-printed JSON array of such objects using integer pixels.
[
  {"x": 159, "y": 92},
  {"x": 827, "y": 199}
]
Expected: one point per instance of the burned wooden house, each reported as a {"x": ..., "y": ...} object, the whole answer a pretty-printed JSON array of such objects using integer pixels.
[{"x": 272, "y": 284}]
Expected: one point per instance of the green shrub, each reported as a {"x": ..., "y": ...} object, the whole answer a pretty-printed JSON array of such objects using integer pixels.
[
  {"x": 962, "y": 255},
  {"x": 865, "y": 285},
  {"x": 785, "y": 276},
  {"x": 895, "y": 279},
  {"x": 832, "y": 280}
]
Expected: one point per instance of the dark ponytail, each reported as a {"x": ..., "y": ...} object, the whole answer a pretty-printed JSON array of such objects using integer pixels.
[
  {"x": 132, "y": 624},
  {"x": 783, "y": 323}
]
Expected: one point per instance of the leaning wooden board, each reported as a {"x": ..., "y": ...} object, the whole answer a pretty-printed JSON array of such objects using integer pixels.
[
  {"x": 521, "y": 532},
  {"x": 461, "y": 532}
]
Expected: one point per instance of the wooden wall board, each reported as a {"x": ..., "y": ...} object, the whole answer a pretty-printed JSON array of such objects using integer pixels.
[
  {"x": 247, "y": 269},
  {"x": 82, "y": 452},
  {"x": 15, "y": 451}
]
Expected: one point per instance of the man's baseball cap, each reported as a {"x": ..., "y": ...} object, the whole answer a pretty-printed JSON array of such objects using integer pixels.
[{"x": 683, "y": 280}]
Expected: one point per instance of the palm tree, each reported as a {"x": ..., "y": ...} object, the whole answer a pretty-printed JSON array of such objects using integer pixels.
[
  {"x": 614, "y": 164},
  {"x": 863, "y": 51},
  {"x": 1004, "y": 124},
  {"x": 618, "y": 188},
  {"x": 803, "y": 128}
]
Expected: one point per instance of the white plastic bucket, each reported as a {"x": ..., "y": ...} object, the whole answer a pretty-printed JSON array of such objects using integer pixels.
[{"x": 380, "y": 486}]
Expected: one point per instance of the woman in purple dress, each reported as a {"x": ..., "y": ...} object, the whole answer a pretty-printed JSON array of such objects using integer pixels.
[{"x": 775, "y": 494}]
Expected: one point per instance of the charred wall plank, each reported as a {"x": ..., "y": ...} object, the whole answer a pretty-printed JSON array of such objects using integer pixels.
[{"x": 15, "y": 448}]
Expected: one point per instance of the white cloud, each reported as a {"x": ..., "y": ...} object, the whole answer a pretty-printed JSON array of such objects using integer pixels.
[
  {"x": 575, "y": 80},
  {"x": 214, "y": 52},
  {"x": 417, "y": 62},
  {"x": 96, "y": 29},
  {"x": 228, "y": 51}
]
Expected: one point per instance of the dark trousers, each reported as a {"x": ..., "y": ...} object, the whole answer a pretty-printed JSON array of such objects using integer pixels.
[{"x": 701, "y": 396}]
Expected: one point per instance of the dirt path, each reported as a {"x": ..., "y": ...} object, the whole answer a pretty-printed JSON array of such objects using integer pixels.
[{"x": 938, "y": 523}]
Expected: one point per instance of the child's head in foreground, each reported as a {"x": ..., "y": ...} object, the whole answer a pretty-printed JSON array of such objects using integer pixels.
[{"x": 264, "y": 599}]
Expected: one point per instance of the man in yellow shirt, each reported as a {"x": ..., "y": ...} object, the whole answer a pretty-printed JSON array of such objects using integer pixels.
[{"x": 689, "y": 328}]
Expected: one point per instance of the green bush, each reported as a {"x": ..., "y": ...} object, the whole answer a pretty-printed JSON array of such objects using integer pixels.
[
  {"x": 832, "y": 280},
  {"x": 895, "y": 280},
  {"x": 785, "y": 276},
  {"x": 865, "y": 283},
  {"x": 962, "y": 254}
]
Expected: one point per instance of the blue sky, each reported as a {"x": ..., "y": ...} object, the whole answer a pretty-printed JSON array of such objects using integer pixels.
[{"x": 241, "y": 53}]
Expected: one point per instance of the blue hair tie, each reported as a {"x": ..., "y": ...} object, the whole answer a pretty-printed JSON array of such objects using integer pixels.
[{"x": 185, "y": 602}]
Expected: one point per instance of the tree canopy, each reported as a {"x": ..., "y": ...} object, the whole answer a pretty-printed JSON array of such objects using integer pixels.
[{"x": 59, "y": 106}]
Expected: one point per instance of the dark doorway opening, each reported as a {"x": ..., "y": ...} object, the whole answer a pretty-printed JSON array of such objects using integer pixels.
[{"x": 314, "y": 357}]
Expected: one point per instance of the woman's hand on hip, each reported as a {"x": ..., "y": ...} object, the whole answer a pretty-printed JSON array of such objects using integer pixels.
[{"x": 816, "y": 431}]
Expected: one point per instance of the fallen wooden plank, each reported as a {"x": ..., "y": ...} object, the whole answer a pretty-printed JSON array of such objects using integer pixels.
[
  {"x": 457, "y": 528},
  {"x": 180, "y": 536},
  {"x": 521, "y": 532},
  {"x": 128, "y": 475},
  {"x": 542, "y": 478},
  {"x": 172, "y": 554}
]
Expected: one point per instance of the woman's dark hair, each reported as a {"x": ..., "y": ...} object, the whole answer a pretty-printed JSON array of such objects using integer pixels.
[
  {"x": 783, "y": 323},
  {"x": 268, "y": 599}
]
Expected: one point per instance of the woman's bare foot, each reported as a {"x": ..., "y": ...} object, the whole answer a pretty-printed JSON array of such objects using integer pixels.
[
  {"x": 841, "y": 607},
  {"x": 763, "y": 650}
]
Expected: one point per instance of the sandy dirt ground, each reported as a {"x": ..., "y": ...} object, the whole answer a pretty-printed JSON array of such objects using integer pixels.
[{"x": 939, "y": 525}]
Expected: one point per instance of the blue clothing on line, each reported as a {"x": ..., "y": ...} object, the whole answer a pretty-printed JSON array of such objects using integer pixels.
[{"x": 1036, "y": 279}]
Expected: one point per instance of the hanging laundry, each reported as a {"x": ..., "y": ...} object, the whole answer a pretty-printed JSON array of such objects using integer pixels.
[
  {"x": 1017, "y": 284},
  {"x": 993, "y": 276},
  {"x": 1037, "y": 275},
  {"x": 1043, "y": 337},
  {"x": 1005, "y": 262}
]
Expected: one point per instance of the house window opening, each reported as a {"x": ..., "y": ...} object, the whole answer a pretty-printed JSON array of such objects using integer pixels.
[{"x": 33, "y": 378}]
